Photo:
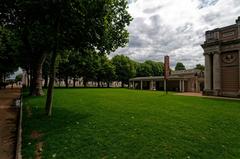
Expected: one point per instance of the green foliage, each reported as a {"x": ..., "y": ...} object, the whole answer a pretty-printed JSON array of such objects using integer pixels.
[
  {"x": 200, "y": 67},
  {"x": 149, "y": 68},
  {"x": 8, "y": 53},
  {"x": 106, "y": 70},
  {"x": 125, "y": 68},
  {"x": 122, "y": 123},
  {"x": 144, "y": 70},
  {"x": 179, "y": 66},
  {"x": 18, "y": 78}
]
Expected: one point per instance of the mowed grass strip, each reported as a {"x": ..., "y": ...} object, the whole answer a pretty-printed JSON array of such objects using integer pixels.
[{"x": 131, "y": 124}]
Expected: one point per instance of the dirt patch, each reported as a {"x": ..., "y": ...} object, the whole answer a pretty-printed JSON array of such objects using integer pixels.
[
  {"x": 8, "y": 133},
  {"x": 38, "y": 150},
  {"x": 29, "y": 111},
  {"x": 36, "y": 135},
  {"x": 190, "y": 94},
  {"x": 8, "y": 122},
  {"x": 8, "y": 96}
]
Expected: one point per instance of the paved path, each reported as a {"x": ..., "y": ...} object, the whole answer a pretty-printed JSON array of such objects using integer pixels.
[
  {"x": 8, "y": 122},
  {"x": 200, "y": 95}
]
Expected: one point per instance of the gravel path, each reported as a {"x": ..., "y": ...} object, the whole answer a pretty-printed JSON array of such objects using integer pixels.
[{"x": 8, "y": 122}]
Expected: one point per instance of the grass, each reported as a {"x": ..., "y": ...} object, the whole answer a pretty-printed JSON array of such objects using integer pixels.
[{"x": 131, "y": 124}]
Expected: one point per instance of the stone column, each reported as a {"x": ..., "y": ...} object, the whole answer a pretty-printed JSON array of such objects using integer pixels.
[
  {"x": 180, "y": 85},
  {"x": 208, "y": 73},
  {"x": 151, "y": 85},
  {"x": 183, "y": 87},
  {"x": 239, "y": 73},
  {"x": 154, "y": 85},
  {"x": 141, "y": 85},
  {"x": 216, "y": 74},
  {"x": 197, "y": 85}
]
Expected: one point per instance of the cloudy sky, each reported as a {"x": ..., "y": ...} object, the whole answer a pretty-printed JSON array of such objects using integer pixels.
[{"x": 175, "y": 28}]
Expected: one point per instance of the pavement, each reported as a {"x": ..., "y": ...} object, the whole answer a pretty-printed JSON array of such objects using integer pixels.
[
  {"x": 200, "y": 95},
  {"x": 8, "y": 122}
]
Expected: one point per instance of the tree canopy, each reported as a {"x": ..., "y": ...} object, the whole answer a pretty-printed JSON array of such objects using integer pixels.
[
  {"x": 179, "y": 66},
  {"x": 125, "y": 68},
  {"x": 200, "y": 67}
]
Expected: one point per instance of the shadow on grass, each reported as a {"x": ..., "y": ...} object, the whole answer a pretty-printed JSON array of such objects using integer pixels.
[{"x": 35, "y": 120}]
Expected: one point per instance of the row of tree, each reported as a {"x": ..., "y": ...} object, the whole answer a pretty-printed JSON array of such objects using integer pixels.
[
  {"x": 99, "y": 68},
  {"x": 34, "y": 31},
  {"x": 40, "y": 36}
]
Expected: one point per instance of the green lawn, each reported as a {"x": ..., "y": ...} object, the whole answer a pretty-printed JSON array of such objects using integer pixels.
[{"x": 130, "y": 124}]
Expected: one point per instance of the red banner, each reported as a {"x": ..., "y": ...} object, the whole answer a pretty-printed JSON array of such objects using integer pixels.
[{"x": 166, "y": 67}]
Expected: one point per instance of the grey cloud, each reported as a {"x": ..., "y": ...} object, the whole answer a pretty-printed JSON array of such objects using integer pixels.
[
  {"x": 151, "y": 10},
  {"x": 206, "y": 3},
  {"x": 154, "y": 39}
]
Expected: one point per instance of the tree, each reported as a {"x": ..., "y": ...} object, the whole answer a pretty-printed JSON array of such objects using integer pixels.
[
  {"x": 106, "y": 71},
  {"x": 104, "y": 21},
  {"x": 200, "y": 67},
  {"x": 157, "y": 67},
  {"x": 8, "y": 54},
  {"x": 51, "y": 27},
  {"x": 179, "y": 66},
  {"x": 18, "y": 78},
  {"x": 124, "y": 68},
  {"x": 144, "y": 70}
]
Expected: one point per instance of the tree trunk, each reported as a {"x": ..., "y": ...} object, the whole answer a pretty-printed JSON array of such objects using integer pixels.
[
  {"x": 59, "y": 80},
  {"x": 48, "y": 106},
  {"x": 28, "y": 78},
  {"x": 66, "y": 81},
  {"x": 108, "y": 84},
  {"x": 74, "y": 82},
  {"x": 85, "y": 83},
  {"x": 98, "y": 84},
  {"x": 122, "y": 84},
  {"x": 45, "y": 81},
  {"x": 36, "y": 82}
]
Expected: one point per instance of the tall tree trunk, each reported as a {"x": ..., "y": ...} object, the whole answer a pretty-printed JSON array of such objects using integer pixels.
[
  {"x": 36, "y": 88},
  {"x": 122, "y": 84},
  {"x": 66, "y": 81},
  {"x": 108, "y": 84},
  {"x": 48, "y": 106},
  {"x": 28, "y": 78},
  {"x": 59, "y": 80},
  {"x": 45, "y": 81},
  {"x": 74, "y": 82},
  {"x": 85, "y": 83},
  {"x": 4, "y": 80}
]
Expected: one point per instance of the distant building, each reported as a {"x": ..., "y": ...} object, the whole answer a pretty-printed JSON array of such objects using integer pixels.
[
  {"x": 222, "y": 61},
  {"x": 181, "y": 81}
]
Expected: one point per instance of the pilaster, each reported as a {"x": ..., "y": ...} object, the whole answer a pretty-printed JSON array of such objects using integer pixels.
[
  {"x": 239, "y": 74},
  {"x": 238, "y": 23},
  {"x": 216, "y": 74},
  {"x": 197, "y": 85},
  {"x": 180, "y": 85},
  {"x": 151, "y": 85},
  {"x": 208, "y": 73},
  {"x": 183, "y": 87}
]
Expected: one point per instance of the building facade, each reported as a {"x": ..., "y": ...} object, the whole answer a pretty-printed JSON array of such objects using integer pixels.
[
  {"x": 180, "y": 81},
  {"x": 222, "y": 61}
]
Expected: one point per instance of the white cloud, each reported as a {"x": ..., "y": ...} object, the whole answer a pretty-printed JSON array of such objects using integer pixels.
[{"x": 175, "y": 28}]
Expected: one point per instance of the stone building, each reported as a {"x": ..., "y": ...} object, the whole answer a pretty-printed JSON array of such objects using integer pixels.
[
  {"x": 181, "y": 81},
  {"x": 222, "y": 61}
]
